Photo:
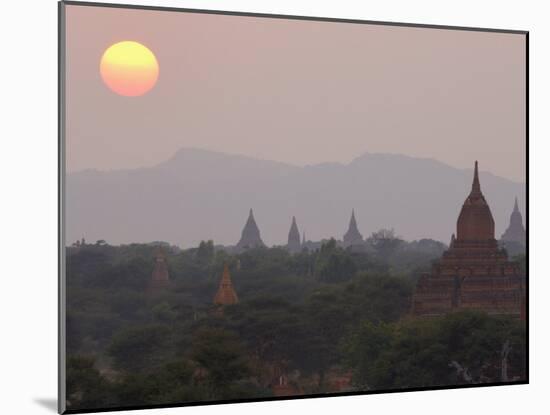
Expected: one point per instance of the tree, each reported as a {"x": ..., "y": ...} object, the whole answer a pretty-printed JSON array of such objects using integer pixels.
[
  {"x": 384, "y": 242},
  {"x": 205, "y": 253},
  {"x": 170, "y": 383},
  {"x": 86, "y": 388},
  {"x": 334, "y": 264},
  {"x": 464, "y": 347},
  {"x": 220, "y": 353},
  {"x": 139, "y": 348}
]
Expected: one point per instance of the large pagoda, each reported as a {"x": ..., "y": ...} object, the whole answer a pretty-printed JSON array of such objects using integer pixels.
[{"x": 474, "y": 273}]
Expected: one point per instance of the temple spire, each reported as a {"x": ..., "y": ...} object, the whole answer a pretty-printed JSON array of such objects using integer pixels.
[
  {"x": 475, "y": 222},
  {"x": 476, "y": 188},
  {"x": 293, "y": 245},
  {"x": 515, "y": 231},
  {"x": 353, "y": 236},
  {"x": 226, "y": 295},
  {"x": 250, "y": 236}
]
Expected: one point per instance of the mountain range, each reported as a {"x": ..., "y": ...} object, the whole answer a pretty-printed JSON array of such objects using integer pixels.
[{"x": 199, "y": 195}]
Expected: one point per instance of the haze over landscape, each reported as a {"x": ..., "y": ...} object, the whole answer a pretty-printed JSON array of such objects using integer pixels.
[
  {"x": 299, "y": 92},
  {"x": 294, "y": 118},
  {"x": 199, "y": 195}
]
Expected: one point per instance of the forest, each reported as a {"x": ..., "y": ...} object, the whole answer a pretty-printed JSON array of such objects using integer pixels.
[{"x": 322, "y": 321}]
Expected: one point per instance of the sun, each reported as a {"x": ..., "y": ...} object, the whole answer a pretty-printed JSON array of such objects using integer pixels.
[{"x": 129, "y": 68}]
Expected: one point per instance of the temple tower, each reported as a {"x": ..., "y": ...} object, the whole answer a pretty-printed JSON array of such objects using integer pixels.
[
  {"x": 160, "y": 277},
  {"x": 225, "y": 295},
  {"x": 250, "y": 236},
  {"x": 515, "y": 231},
  {"x": 353, "y": 236},
  {"x": 474, "y": 273},
  {"x": 294, "y": 245},
  {"x": 475, "y": 222}
]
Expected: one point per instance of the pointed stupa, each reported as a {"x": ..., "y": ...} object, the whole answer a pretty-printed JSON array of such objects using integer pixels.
[
  {"x": 515, "y": 231},
  {"x": 353, "y": 236},
  {"x": 250, "y": 237},
  {"x": 294, "y": 245},
  {"x": 226, "y": 294},
  {"x": 475, "y": 222}
]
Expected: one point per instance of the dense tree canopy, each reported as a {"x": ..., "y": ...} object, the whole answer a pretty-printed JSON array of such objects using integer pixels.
[{"x": 305, "y": 315}]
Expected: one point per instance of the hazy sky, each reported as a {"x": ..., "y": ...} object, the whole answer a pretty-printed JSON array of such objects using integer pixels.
[{"x": 296, "y": 91}]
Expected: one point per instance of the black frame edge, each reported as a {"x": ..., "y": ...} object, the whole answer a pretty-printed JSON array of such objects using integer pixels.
[
  {"x": 61, "y": 223},
  {"x": 290, "y": 17},
  {"x": 61, "y": 312}
]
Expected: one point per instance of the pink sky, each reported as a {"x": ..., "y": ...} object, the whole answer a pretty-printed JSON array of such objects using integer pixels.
[{"x": 300, "y": 92}]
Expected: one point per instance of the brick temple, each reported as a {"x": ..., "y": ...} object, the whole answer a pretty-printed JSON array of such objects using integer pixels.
[{"x": 474, "y": 273}]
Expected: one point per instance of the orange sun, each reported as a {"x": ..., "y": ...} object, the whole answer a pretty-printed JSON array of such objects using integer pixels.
[{"x": 129, "y": 68}]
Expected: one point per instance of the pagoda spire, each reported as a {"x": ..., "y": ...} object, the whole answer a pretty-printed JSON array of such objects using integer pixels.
[
  {"x": 226, "y": 294},
  {"x": 250, "y": 236},
  {"x": 293, "y": 245},
  {"x": 475, "y": 221},
  {"x": 476, "y": 188},
  {"x": 353, "y": 222},
  {"x": 353, "y": 236},
  {"x": 515, "y": 231}
]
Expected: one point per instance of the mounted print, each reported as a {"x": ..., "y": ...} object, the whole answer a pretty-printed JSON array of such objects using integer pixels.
[{"x": 258, "y": 207}]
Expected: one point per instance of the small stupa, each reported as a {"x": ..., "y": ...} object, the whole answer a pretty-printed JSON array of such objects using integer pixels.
[
  {"x": 294, "y": 245},
  {"x": 226, "y": 294},
  {"x": 353, "y": 236},
  {"x": 515, "y": 231}
]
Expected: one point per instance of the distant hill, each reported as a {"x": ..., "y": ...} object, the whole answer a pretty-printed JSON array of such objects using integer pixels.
[{"x": 198, "y": 195}]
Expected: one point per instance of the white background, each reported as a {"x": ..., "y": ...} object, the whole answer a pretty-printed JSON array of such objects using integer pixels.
[{"x": 28, "y": 227}]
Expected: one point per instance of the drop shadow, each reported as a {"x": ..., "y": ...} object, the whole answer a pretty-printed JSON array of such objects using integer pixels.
[{"x": 47, "y": 403}]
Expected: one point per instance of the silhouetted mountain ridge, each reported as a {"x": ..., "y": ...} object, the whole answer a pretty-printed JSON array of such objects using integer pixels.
[{"x": 198, "y": 194}]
